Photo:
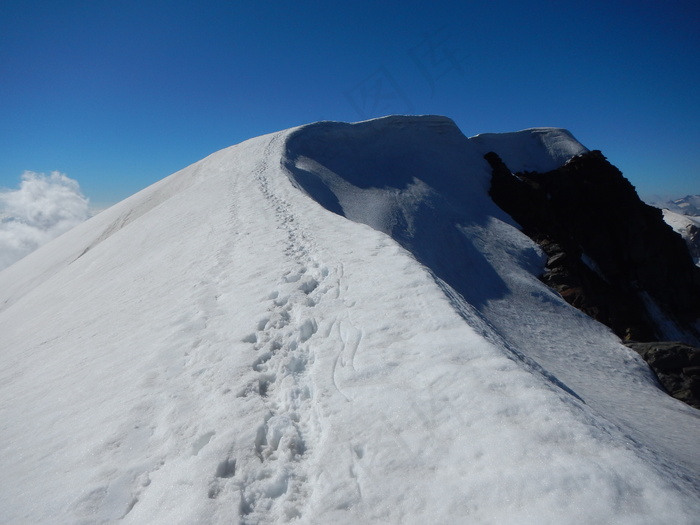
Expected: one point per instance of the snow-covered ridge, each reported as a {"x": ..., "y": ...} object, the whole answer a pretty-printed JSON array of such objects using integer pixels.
[
  {"x": 534, "y": 149},
  {"x": 222, "y": 348},
  {"x": 680, "y": 222},
  {"x": 413, "y": 179}
]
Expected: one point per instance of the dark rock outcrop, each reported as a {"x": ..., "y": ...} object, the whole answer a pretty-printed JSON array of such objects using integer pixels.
[
  {"x": 610, "y": 255},
  {"x": 692, "y": 239},
  {"x": 676, "y": 365}
]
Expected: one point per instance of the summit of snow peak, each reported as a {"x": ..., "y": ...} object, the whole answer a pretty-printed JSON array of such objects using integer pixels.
[{"x": 534, "y": 149}]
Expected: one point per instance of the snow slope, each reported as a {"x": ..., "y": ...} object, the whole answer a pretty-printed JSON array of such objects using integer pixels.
[
  {"x": 225, "y": 348},
  {"x": 686, "y": 226},
  {"x": 680, "y": 222}
]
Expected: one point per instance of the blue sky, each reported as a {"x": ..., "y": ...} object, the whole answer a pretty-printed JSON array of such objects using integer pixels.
[{"x": 119, "y": 94}]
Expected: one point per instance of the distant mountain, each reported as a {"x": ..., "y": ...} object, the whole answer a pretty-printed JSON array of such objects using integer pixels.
[
  {"x": 683, "y": 215},
  {"x": 333, "y": 324},
  {"x": 688, "y": 205}
]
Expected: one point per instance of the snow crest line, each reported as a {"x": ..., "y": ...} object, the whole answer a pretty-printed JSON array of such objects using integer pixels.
[{"x": 489, "y": 332}]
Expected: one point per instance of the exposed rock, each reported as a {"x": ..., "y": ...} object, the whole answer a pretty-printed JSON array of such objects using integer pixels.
[
  {"x": 692, "y": 239},
  {"x": 677, "y": 367},
  {"x": 610, "y": 255}
]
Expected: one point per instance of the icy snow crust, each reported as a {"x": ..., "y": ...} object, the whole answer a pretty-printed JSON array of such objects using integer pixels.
[{"x": 221, "y": 348}]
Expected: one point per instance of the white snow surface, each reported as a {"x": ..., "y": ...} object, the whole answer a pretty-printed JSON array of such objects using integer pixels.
[
  {"x": 684, "y": 225},
  {"x": 534, "y": 149},
  {"x": 375, "y": 348},
  {"x": 680, "y": 222}
]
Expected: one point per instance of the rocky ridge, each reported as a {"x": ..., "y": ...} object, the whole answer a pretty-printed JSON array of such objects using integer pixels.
[
  {"x": 677, "y": 367},
  {"x": 612, "y": 257}
]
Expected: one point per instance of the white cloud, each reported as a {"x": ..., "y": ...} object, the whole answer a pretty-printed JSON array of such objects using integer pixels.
[{"x": 44, "y": 207}]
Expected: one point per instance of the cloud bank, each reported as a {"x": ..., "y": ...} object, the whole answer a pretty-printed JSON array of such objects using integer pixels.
[{"x": 44, "y": 207}]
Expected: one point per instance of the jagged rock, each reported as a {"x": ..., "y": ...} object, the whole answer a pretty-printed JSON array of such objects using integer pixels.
[
  {"x": 677, "y": 366},
  {"x": 609, "y": 254}
]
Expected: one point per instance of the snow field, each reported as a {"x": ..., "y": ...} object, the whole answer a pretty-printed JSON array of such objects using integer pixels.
[
  {"x": 447, "y": 425},
  {"x": 227, "y": 350}
]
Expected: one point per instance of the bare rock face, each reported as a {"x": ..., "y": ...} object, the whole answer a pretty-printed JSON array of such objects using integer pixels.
[
  {"x": 614, "y": 258},
  {"x": 610, "y": 255},
  {"x": 692, "y": 239},
  {"x": 676, "y": 365}
]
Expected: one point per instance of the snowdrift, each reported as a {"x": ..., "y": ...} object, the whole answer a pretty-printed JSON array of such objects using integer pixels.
[{"x": 329, "y": 324}]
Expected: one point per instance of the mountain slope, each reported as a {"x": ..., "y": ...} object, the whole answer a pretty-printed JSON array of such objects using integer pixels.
[
  {"x": 610, "y": 254},
  {"x": 220, "y": 347}
]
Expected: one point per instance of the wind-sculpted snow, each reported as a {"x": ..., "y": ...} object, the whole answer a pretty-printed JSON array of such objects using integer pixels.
[
  {"x": 381, "y": 173},
  {"x": 222, "y": 349}
]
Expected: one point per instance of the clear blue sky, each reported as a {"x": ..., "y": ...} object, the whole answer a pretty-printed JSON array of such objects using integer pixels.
[{"x": 118, "y": 94}]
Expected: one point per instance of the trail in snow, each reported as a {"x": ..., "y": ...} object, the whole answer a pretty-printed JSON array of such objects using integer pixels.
[{"x": 277, "y": 487}]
